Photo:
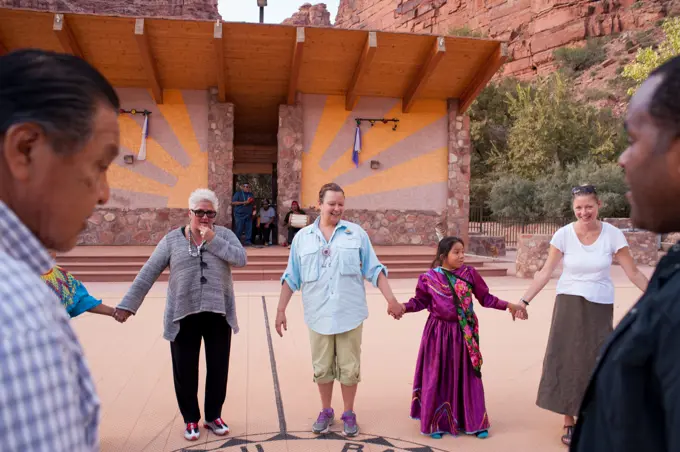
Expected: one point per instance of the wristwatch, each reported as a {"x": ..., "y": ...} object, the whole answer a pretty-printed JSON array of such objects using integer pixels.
[{"x": 524, "y": 301}]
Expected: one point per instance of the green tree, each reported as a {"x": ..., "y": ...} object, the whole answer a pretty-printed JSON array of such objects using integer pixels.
[
  {"x": 514, "y": 197},
  {"x": 648, "y": 59},
  {"x": 550, "y": 129}
]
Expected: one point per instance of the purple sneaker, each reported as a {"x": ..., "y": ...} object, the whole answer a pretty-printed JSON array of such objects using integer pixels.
[
  {"x": 349, "y": 418},
  {"x": 324, "y": 421}
]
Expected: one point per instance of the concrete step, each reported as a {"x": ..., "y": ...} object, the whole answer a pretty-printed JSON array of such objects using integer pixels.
[{"x": 250, "y": 274}]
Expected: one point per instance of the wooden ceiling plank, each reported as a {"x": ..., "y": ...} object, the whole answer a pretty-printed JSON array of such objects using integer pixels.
[
  {"x": 296, "y": 65},
  {"x": 65, "y": 35},
  {"x": 221, "y": 67},
  {"x": 362, "y": 68},
  {"x": 426, "y": 71},
  {"x": 485, "y": 73},
  {"x": 3, "y": 49},
  {"x": 142, "y": 39}
]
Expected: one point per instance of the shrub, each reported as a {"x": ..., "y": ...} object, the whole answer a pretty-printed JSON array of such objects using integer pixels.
[
  {"x": 514, "y": 197},
  {"x": 575, "y": 60}
]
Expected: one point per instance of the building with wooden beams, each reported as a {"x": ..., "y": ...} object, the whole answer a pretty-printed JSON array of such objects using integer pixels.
[{"x": 219, "y": 99}]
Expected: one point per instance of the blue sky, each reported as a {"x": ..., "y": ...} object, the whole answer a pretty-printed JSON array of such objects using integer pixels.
[{"x": 275, "y": 12}]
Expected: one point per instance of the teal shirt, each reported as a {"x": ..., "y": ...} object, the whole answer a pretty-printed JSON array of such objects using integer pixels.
[{"x": 330, "y": 276}]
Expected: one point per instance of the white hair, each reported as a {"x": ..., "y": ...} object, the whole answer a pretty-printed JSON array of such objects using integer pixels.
[{"x": 203, "y": 194}]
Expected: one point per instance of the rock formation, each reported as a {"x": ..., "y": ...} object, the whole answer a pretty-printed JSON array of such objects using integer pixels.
[
  {"x": 186, "y": 9},
  {"x": 532, "y": 28},
  {"x": 310, "y": 15}
]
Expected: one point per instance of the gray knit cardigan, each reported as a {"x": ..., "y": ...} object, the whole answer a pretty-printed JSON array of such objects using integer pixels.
[{"x": 186, "y": 295}]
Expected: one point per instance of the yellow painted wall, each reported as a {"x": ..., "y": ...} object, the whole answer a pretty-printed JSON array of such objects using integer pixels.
[{"x": 413, "y": 159}]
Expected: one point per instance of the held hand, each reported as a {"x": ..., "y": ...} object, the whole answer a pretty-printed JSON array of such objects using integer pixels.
[
  {"x": 281, "y": 322},
  {"x": 396, "y": 309},
  {"x": 121, "y": 315},
  {"x": 518, "y": 311},
  {"x": 207, "y": 234}
]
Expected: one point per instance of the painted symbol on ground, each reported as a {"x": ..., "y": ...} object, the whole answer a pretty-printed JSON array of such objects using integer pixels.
[{"x": 308, "y": 442}]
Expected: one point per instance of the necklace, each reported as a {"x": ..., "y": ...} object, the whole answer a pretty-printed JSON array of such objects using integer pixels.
[{"x": 199, "y": 248}]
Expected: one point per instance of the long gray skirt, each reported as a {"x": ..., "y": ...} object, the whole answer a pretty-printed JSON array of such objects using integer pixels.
[{"x": 578, "y": 331}]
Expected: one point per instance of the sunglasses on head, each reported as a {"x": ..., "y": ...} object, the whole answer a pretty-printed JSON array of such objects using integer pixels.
[
  {"x": 201, "y": 213},
  {"x": 584, "y": 190}
]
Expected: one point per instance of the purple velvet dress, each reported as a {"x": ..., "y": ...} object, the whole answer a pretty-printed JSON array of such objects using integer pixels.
[{"x": 448, "y": 395}]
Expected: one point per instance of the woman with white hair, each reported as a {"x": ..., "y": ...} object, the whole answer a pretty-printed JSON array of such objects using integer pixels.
[{"x": 200, "y": 305}]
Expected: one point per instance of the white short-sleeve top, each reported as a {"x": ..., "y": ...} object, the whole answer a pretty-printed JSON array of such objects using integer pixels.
[{"x": 587, "y": 268}]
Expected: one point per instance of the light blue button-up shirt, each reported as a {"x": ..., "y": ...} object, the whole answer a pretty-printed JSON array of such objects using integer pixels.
[{"x": 331, "y": 275}]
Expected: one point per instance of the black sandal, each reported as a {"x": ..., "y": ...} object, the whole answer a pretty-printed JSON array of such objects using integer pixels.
[{"x": 566, "y": 438}]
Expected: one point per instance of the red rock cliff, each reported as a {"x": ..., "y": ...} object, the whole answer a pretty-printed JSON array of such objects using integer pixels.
[
  {"x": 311, "y": 15},
  {"x": 186, "y": 9},
  {"x": 532, "y": 28}
]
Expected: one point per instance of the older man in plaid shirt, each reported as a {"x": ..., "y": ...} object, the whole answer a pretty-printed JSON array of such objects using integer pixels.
[{"x": 58, "y": 135}]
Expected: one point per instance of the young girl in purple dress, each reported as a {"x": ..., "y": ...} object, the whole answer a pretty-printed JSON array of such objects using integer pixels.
[{"x": 448, "y": 396}]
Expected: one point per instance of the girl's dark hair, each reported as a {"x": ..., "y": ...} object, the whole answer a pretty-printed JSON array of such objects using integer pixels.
[
  {"x": 329, "y": 187},
  {"x": 444, "y": 248},
  {"x": 58, "y": 92}
]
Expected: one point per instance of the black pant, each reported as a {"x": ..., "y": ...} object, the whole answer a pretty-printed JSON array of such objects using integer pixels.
[
  {"x": 266, "y": 232},
  {"x": 185, "y": 350},
  {"x": 291, "y": 234}
]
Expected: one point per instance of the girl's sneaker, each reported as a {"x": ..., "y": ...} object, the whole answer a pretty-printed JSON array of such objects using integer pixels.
[
  {"x": 192, "y": 433},
  {"x": 350, "y": 427},
  {"x": 218, "y": 427},
  {"x": 324, "y": 421}
]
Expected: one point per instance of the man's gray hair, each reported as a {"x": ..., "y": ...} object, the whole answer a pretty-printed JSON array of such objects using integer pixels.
[{"x": 203, "y": 194}]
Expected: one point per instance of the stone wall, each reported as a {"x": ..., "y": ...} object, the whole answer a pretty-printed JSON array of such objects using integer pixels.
[
  {"x": 643, "y": 246},
  {"x": 112, "y": 226},
  {"x": 485, "y": 245},
  {"x": 532, "y": 29},
  {"x": 532, "y": 252},
  {"x": 289, "y": 166},
  {"x": 221, "y": 154},
  {"x": 186, "y": 9},
  {"x": 458, "y": 199}
]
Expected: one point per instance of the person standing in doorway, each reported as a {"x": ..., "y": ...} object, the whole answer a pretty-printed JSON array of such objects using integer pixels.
[
  {"x": 633, "y": 400},
  {"x": 243, "y": 212},
  {"x": 267, "y": 218},
  {"x": 328, "y": 263}
]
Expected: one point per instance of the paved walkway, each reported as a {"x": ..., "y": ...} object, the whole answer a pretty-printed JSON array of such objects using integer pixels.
[{"x": 272, "y": 411}]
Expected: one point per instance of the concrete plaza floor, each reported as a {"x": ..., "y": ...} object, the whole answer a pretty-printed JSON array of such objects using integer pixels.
[{"x": 271, "y": 399}]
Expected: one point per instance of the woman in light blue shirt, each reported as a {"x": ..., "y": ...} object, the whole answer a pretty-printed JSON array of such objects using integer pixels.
[{"x": 328, "y": 263}]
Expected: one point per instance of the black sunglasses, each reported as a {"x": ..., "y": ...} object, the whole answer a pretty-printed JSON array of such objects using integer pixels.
[
  {"x": 203, "y": 265},
  {"x": 584, "y": 189},
  {"x": 201, "y": 213}
]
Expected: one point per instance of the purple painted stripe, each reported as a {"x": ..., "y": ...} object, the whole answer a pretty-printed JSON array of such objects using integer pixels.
[
  {"x": 425, "y": 197},
  {"x": 428, "y": 139},
  {"x": 133, "y": 200},
  {"x": 313, "y": 105},
  {"x": 159, "y": 129},
  {"x": 196, "y": 102},
  {"x": 146, "y": 169},
  {"x": 367, "y": 107}
]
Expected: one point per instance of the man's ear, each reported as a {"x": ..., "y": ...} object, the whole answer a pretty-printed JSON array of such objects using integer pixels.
[{"x": 18, "y": 146}]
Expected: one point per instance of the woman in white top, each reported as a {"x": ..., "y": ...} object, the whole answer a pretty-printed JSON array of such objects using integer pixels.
[{"x": 584, "y": 308}]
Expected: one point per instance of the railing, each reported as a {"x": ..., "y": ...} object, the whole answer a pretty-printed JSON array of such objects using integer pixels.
[{"x": 511, "y": 228}]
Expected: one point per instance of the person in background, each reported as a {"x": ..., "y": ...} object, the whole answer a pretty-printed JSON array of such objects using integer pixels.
[
  {"x": 243, "y": 213},
  {"x": 294, "y": 208},
  {"x": 632, "y": 403},
  {"x": 267, "y": 219},
  {"x": 72, "y": 293},
  {"x": 59, "y": 134}
]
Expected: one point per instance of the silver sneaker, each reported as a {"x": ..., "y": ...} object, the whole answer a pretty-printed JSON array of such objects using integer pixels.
[
  {"x": 324, "y": 421},
  {"x": 350, "y": 428}
]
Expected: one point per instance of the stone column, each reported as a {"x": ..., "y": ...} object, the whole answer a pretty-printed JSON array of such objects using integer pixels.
[
  {"x": 458, "y": 199},
  {"x": 221, "y": 155},
  {"x": 289, "y": 165}
]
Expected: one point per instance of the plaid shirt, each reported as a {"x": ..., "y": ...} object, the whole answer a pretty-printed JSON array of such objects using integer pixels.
[{"x": 47, "y": 397}]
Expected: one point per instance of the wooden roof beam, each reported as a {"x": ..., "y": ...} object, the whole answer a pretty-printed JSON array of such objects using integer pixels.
[
  {"x": 486, "y": 72},
  {"x": 3, "y": 49},
  {"x": 362, "y": 68},
  {"x": 425, "y": 72},
  {"x": 63, "y": 31},
  {"x": 296, "y": 65},
  {"x": 218, "y": 45},
  {"x": 147, "y": 60}
]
